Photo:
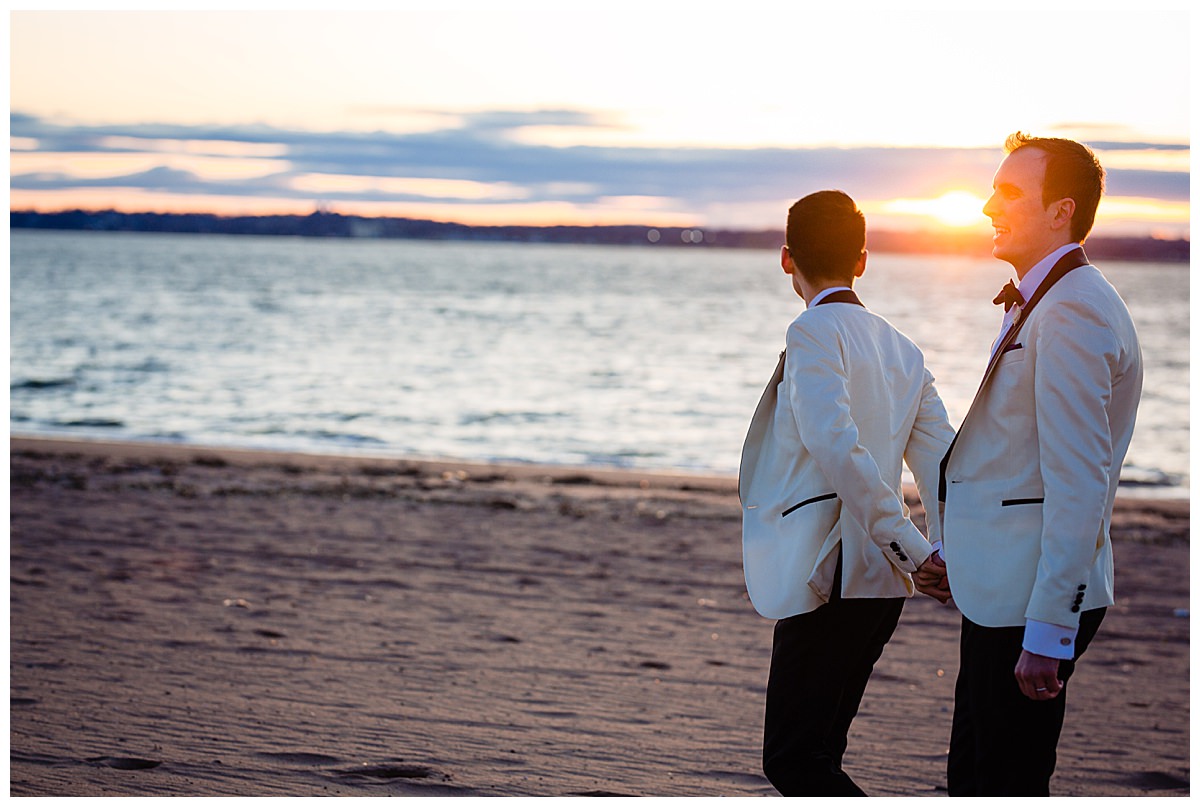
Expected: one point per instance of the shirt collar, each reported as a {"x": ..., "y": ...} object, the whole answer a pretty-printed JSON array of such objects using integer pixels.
[
  {"x": 825, "y": 293},
  {"x": 1034, "y": 277}
]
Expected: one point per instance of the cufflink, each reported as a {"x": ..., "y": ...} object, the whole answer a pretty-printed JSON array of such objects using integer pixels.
[{"x": 1065, "y": 642}]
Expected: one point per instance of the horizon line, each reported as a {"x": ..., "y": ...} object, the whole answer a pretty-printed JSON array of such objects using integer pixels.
[{"x": 947, "y": 231}]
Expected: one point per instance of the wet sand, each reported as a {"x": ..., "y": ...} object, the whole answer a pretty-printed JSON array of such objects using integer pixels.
[{"x": 200, "y": 622}]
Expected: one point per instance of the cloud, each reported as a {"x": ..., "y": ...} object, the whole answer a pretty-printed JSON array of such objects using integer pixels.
[
  {"x": 1172, "y": 186},
  {"x": 483, "y": 148},
  {"x": 1113, "y": 145}
]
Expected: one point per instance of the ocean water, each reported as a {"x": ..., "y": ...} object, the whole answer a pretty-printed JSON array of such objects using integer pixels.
[{"x": 635, "y": 357}]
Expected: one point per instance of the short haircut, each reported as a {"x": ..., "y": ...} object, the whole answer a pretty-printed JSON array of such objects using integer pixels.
[
  {"x": 826, "y": 234},
  {"x": 1072, "y": 172}
]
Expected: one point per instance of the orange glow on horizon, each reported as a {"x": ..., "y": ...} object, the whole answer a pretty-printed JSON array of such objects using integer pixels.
[
  {"x": 955, "y": 209},
  {"x": 1117, "y": 215},
  {"x": 536, "y": 214}
]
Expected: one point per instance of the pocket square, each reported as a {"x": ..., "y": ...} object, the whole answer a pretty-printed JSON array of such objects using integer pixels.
[{"x": 1013, "y": 346}]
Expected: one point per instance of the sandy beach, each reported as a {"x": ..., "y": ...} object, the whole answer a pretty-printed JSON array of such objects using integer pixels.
[{"x": 202, "y": 622}]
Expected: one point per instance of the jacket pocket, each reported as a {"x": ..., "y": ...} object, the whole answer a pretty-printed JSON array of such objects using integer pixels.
[
  {"x": 807, "y": 502},
  {"x": 1015, "y": 502},
  {"x": 1012, "y": 354}
]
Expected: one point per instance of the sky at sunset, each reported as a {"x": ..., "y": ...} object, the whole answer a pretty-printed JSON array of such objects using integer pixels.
[{"x": 670, "y": 114}]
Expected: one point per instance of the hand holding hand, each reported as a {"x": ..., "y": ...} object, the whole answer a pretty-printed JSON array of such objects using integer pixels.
[
  {"x": 1037, "y": 676},
  {"x": 931, "y": 578}
]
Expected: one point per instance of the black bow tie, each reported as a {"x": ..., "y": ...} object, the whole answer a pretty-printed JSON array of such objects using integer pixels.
[{"x": 1010, "y": 296}]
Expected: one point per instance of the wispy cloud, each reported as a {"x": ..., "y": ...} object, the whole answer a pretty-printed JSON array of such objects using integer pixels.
[{"x": 489, "y": 148}]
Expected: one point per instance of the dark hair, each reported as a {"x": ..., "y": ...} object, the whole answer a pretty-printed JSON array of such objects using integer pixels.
[
  {"x": 1072, "y": 172},
  {"x": 826, "y": 233}
]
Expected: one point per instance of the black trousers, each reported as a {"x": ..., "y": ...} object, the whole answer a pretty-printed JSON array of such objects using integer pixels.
[
  {"x": 820, "y": 664},
  {"x": 1001, "y": 742}
]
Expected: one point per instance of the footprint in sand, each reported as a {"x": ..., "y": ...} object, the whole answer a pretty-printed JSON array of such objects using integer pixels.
[
  {"x": 300, "y": 758},
  {"x": 1158, "y": 780},
  {"x": 655, "y": 665},
  {"x": 390, "y": 771},
  {"x": 126, "y": 763}
]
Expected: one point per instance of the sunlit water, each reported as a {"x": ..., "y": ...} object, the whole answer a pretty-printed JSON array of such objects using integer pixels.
[{"x": 635, "y": 357}]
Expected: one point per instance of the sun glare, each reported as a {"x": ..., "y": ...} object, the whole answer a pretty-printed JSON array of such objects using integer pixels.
[
  {"x": 958, "y": 208},
  {"x": 951, "y": 209}
]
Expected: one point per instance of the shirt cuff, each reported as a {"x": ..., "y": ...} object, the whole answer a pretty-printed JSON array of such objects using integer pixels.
[
  {"x": 1047, "y": 639},
  {"x": 937, "y": 549}
]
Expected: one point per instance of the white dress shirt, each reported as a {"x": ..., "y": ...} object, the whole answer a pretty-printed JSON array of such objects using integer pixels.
[
  {"x": 821, "y": 295},
  {"x": 1029, "y": 285}
]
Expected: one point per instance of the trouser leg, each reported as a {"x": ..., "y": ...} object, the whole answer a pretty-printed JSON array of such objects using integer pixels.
[
  {"x": 882, "y": 621},
  {"x": 820, "y": 664},
  {"x": 1001, "y": 742}
]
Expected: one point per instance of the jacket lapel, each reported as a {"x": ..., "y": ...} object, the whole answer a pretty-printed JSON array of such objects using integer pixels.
[
  {"x": 1072, "y": 260},
  {"x": 759, "y": 425}
]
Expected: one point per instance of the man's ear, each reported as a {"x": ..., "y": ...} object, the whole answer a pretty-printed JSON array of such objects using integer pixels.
[
  {"x": 862, "y": 264},
  {"x": 1063, "y": 210},
  {"x": 785, "y": 260}
]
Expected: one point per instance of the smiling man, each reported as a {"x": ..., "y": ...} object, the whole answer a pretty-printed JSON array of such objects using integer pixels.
[{"x": 1029, "y": 482}]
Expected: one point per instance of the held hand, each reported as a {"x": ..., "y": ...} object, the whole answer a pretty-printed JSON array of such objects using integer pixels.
[
  {"x": 931, "y": 579},
  {"x": 1037, "y": 676},
  {"x": 936, "y": 558},
  {"x": 940, "y": 591}
]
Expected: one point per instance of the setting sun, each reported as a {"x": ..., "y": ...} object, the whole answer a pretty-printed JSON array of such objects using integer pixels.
[
  {"x": 952, "y": 209},
  {"x": 958, "y": 208}
]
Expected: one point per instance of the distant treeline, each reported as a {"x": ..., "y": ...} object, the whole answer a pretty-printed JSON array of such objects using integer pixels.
[{"x": 323, "y": 224}]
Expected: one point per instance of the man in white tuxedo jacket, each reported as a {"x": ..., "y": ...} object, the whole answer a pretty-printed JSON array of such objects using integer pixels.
[
  {"x": 828, "y": 548},
  {"x": 1031, "y": 477}
]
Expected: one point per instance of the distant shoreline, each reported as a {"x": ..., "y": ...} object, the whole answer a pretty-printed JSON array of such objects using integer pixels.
[{"x": 322, "y": 224}]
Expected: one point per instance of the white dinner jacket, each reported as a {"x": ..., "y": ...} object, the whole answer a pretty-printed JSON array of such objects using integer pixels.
[
  {"x": 1032, "y": 475},
  {"x": 850, "y": 400}
]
